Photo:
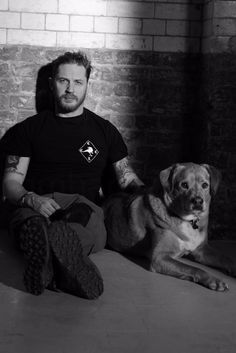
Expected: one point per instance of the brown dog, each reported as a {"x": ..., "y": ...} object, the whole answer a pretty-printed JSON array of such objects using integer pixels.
[{"x": 167, "y": 226}]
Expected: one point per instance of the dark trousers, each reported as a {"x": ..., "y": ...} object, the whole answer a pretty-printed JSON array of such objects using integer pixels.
[{"x": 92, "y": 235}]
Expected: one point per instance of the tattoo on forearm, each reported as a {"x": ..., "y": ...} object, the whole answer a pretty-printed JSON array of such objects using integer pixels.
[
  {"x": 126, "y": 175},
  {"x": 13, "y": 170},
  {"x": 12, "y": 163}
]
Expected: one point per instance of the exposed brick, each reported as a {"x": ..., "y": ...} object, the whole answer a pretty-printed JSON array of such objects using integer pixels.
[
  {"x": 24, "y": 114},
  {"x": 126, "y": 121},
  {"x": 31, "y": 37},
  {"x": 90, "y": 40},
  {"x": 8, "y": 85},
  {"x": 9, "y": 19},
  {"x": 131, "y": 73},
  {"x": 120, "y": 73},
  {"x": 130, "y": 25},
  {"x": 57, "y": 22},
  {"x": 23, "y": 101},
  {"x": 102, "y": 73},
  {"x": 122, "y": 105},
  {"x": 9, "y": 52},
  {"x": 101, "y": 57},
  {"x": 120, "y": 41},
  {"x": 24, "y": 69},
  {"x": 4, "y": 70},
  {"x": 216, "y": 44},
  {"x": 154, "y": 27},
  {"x": 4, "y": 101},
  {"x": 81, "y": 23},
  {"x": 164, "y": 138},
  {"x": 106, "y": 24},
  {"x": 33, "y": 6},
  {"x": 126, "y": 89},
  {"x": 98, "y": 88},
  {"x": 32, "y": 21},
  {"x": 178, "y": 11},
  {"x": 35, "y": 55},
  {"x": 128, "y": 57},
  {"x": 130, "y": 9},
  {"x": 28, "y": 85},
  {"x": 7, "y": 118},
  {"x": 176, "y": 44},
  {"x": 225, "y": 27},
  {"x": 92, "y": 7},
  {"x": 149, "y": 122}
]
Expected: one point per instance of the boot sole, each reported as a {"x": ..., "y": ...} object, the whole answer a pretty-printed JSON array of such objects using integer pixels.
[
  {"x": 78, "y": 275},
  {"x": 35, "y": 246}
]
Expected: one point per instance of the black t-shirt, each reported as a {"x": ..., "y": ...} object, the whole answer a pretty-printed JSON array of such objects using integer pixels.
[{"x": 67, "y": 155}]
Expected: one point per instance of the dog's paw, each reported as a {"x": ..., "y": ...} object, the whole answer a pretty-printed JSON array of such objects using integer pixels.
[{"x": 216, "y": 284}]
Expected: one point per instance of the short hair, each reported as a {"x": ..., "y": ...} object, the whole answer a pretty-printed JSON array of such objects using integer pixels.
[{"x": 78, "y": 58}]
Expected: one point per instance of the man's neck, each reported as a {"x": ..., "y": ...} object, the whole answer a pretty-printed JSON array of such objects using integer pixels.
[{"x": 71, "y": 114}]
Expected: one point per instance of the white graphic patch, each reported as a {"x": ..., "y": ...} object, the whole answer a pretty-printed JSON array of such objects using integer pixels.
[{"x": 89, "y": 151}]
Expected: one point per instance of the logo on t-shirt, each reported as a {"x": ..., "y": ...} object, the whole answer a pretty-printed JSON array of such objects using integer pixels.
[{"x": 89, "y": 151}]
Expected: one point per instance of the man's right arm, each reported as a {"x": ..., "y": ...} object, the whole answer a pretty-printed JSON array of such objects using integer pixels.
[
  {"x": 14, "y": 175},
  {"x": 13, "y": 190}
]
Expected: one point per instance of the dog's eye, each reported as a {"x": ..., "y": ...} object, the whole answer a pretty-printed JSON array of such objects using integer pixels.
[
  {"x": 205, "y": 185},
  {"x": 184, "y": 185}
]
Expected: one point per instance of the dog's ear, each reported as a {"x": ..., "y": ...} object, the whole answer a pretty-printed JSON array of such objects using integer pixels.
[
  {"x": 215, "y": 177},
  {"x": 166, "y": 177}
]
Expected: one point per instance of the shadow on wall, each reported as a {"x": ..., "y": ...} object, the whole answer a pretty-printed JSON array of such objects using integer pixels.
[{"x": 44, "y": 97}]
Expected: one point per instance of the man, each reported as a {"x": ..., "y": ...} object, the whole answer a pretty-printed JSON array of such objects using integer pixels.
[{"x": 54, "y": 167}]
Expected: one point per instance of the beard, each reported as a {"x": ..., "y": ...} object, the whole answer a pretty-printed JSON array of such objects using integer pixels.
[{"x": 68, "y": 103}]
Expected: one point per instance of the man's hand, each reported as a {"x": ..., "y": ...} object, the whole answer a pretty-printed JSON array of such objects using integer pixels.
[{"x": 42, "y": 204}]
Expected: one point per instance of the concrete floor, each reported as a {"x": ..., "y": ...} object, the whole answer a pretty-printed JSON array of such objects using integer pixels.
[{"x": 138, "y": 312}]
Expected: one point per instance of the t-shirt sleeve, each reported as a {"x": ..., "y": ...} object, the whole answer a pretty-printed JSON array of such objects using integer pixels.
[
  {"x": 17, "y": 141},
  {"x": 117, "y": 146}
]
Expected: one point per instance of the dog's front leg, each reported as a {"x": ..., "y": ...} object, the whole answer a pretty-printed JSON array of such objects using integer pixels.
[
  {"x": 168, "y": 265},
  {"x": 209, "y": 256}
]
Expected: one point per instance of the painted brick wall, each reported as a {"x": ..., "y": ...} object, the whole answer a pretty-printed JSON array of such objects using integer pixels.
[
  {"x": 219, "y": 26},
  {"x": 138, "y": 25}
]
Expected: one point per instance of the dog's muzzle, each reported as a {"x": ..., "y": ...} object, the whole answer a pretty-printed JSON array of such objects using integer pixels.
[{"x": 197, "y": 203}]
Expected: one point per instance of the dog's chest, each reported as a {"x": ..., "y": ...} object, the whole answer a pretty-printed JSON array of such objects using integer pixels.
[{"x": 191, "y": 238}]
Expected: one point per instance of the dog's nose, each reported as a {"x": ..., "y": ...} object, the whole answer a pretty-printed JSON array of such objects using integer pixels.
[{"x": 197, "y": 201}]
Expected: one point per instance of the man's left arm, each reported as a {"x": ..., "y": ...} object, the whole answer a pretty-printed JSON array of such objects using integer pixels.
[{"x": 126, "y": 177}]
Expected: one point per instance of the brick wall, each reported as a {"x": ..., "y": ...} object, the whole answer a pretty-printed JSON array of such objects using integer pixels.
[
  {"x": 219, "y": 26},
  {"x": 138, "y": 25},
  {"x": 164, "y": 74},
  {"x": 218, "y": 106}
]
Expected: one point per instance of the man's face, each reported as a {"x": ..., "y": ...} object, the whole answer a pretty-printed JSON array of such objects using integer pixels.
[{"x": 70, "y": 87}]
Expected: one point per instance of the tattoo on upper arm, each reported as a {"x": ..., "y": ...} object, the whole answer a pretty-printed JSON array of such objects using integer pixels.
[{"x": 11, "y": 165}]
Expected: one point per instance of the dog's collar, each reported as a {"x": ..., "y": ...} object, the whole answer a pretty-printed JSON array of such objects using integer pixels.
[{"x": 194, "y": 223}]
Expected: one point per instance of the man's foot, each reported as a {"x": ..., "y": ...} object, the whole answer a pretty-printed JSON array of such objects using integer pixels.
[
  {"x": 34, "y": 242},
  {"x": 75, "y": 272}
]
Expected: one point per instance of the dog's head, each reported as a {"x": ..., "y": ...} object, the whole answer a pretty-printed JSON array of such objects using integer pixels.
[{"x": 188, "y": 188}]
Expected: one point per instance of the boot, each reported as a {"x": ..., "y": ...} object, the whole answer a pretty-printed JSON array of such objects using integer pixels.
[
  {"x": 75, "y": 272},
  {"x": 33, "y": 240}
]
